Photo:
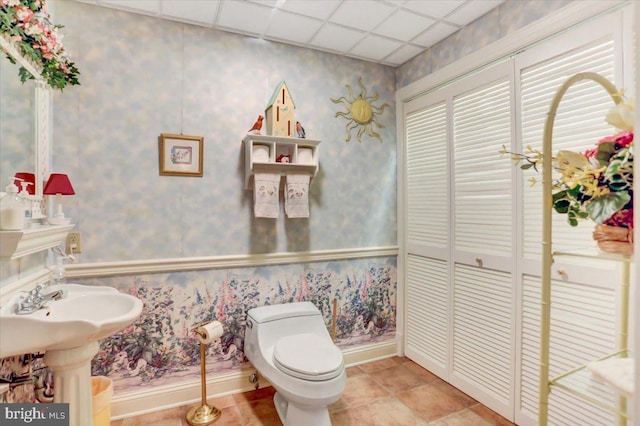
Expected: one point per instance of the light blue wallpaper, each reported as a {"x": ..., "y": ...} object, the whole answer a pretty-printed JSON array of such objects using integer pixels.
[{"x": 143, "y": 76}]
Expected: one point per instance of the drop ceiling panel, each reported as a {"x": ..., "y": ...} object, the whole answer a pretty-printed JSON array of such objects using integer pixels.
[
  {"x": 436, "y": 9},
  {"x": 375, "y": 47},
  {"x": 403, "y": 54},
  {"x": 403, "y": 25},
  {"x": 244, "y": 17},
  {"x": 313, "y": 8},
  {"x": 293, "y": 28},
  {"x": 361, "y": 14},
  {"x": 472, "y": 11},
  {"x": 191, "y": 10},
  {"x": 336, "y": 38},
  {"x": 389, "y": 32}
]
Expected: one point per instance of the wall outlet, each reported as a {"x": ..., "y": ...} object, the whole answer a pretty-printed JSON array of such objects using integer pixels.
[{"x": 74, "y": 243}]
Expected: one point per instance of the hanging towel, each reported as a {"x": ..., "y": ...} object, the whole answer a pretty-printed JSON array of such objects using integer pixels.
[
  {"x": 296, "y": 202},
  {"x": 615, "y": 372},
  {"x": 266, "y": 191}
]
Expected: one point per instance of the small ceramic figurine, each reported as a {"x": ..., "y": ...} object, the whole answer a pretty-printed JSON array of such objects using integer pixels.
[
  {"x": 257, "y": 126},
  {"x": 300, "y": 130},
  {"x": 283, "y": 158}
]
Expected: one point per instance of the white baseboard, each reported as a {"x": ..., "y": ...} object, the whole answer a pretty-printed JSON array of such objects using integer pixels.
[{"x": 165, "y": 397}]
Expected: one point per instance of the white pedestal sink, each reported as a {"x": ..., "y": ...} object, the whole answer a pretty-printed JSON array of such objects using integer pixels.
[{"x": 68, "y": 330}]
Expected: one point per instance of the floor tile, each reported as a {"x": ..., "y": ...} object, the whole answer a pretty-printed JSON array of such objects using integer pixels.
[
  {"x": 455, "y": 393},
  {"x": 398, "y": 378},
  {"x": 360, "y": 390},
  {"x": 230, "y": 416},
  {"x": 392, "y": 391},
  {"x": 354, "y": 371},
  {"x": 490, "y": 415},
  {"x": 259, "y": 412},
  {"x": 430, "y": 402},
  {"x": 461, "y": 418},
  {"x": 425, "y": 375},
  {"x": 387, "y": 411}
]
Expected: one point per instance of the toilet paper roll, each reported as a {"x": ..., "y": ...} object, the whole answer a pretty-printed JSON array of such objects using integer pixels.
[{"x": 210, "y": 332}]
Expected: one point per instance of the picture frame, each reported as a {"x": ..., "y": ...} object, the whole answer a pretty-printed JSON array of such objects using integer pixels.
[{"x": 181, "y": 155}]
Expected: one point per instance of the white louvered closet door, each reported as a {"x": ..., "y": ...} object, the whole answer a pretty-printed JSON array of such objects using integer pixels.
[
  {"x": 472, "y": 226},
  {"x": 483, "y": 297},
  {"x": 583, "y": 309},
  {"x": 427, "y": 313}
]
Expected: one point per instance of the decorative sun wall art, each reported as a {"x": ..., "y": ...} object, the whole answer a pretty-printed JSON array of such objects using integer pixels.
[{"x": 361, "y": 113}]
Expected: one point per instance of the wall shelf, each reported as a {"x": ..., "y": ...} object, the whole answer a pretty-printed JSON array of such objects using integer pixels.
[
  {"x": 261, "y": 152},
  {"x": 15, "y": 244}
]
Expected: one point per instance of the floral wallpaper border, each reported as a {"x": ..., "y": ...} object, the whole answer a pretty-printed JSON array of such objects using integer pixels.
[{"x": 160, "y": 347}]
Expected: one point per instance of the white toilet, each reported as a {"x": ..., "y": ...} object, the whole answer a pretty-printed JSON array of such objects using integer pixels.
[{"x": 290, "y": 346}]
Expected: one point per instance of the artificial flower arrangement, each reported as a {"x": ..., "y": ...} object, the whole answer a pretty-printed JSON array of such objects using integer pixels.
[
  {"x": 596, "y": 184},
  {"x": 26, "y": 23}
]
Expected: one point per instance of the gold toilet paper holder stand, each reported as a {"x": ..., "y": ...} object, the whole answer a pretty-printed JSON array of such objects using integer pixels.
[{"x": 203, "y": 414}]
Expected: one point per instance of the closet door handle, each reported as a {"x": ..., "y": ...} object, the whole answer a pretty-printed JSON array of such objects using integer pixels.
[{"x": 479, "y": 261}]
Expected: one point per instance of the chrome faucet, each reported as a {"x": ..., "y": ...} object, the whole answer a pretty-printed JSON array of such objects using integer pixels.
[{"x": 36, "y": 300}]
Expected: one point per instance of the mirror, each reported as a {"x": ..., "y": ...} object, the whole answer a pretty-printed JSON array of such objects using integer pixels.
[
  {"x": 17, "y": 125},
  {"x": 24, "y": 122}
]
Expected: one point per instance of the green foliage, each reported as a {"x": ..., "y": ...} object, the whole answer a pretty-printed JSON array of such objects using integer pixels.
[{"x": 26, "y": 24}]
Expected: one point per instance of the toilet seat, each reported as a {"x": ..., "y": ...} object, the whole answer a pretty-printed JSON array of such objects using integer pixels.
[{"x": 308, "y": 356}]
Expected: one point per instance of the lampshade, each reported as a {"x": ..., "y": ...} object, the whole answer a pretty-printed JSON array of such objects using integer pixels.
[
  {"x": 58, "y": 183},
  {"x": 26, "y": 177}
]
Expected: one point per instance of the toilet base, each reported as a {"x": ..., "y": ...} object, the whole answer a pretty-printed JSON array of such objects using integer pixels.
[{"x": 292, "y": 415}]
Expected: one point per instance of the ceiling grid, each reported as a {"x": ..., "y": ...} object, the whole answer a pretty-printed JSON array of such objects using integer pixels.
[{"x": 388, "y": 32}]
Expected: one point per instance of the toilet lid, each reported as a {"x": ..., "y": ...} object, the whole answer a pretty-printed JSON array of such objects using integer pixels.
[{"x": 308, "y": 356}]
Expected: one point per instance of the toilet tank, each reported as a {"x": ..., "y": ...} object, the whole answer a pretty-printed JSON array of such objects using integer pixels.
[{"x": 270, "y": 323}]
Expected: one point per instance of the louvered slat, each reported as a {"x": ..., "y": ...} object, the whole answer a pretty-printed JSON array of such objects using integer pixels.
[
  {"x": 482, "y": 334},
  {"x": 427, "y": 307},
  {"x": 427, "y": 194},
  {"x": 482, "y": 180},
  {"x": 579, "y": 124}
]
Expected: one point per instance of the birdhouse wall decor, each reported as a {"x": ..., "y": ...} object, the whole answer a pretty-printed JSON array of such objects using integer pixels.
[{"x": 280, "y": 113}]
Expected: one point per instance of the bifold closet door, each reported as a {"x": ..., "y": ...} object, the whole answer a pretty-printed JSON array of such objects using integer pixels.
[
  {"x": 459, "y": 239},
  {"x": 583, "y": 308}
]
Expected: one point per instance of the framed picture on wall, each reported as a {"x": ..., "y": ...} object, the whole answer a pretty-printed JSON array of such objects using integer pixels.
[{"x": 181, "y": 155}]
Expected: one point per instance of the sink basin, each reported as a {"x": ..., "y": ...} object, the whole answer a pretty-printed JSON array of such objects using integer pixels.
[{"x": 85, "y": 314}]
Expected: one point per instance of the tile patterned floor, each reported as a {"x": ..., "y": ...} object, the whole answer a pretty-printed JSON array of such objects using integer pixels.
[{"x": 393, "y": 391}]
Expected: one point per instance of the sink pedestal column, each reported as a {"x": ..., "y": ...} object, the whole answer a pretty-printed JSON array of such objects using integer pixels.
[{"x": 72, "y": 381}]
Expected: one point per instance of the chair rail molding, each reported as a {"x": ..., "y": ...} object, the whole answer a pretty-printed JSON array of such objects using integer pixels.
[{"x": 152, "y": 266}]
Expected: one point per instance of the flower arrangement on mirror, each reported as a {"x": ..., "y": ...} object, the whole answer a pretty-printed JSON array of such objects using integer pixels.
[
  {"x": 596, "y": 184},
  {"x": 26, "y": 24}
]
